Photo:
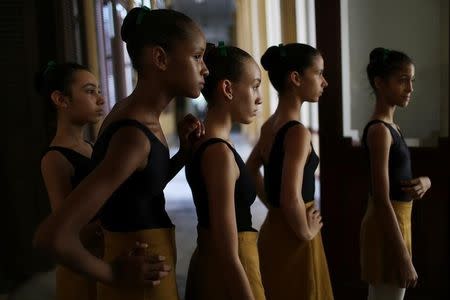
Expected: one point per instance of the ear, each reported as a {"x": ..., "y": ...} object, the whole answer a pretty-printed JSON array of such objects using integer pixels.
[
  {"x": 295, "y": 78},
  {"x": 159, "y": 57},
  {"x": 378, "y": 82},
  {"x": 58, "y": 99},
  {"x": 226, "y": 89}
]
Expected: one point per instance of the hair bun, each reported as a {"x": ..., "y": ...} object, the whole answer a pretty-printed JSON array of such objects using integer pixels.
[
  {"x": 129, "y": 25},
  {"x": 271, "y": 58},
  {"x": 378, "y": 54}
]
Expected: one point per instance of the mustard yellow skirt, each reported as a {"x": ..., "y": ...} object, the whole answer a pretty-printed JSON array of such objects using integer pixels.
[
  {"x": 292, "y": 268},
  {"x": 377, "y": 260},
  {"x": 160, "y": 242},
  {"x": 204, "y": 281},
  {"x": 74, "y": 286}
]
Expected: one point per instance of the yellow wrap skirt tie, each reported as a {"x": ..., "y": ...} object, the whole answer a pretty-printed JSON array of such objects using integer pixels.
[{"x": 292, "y": 268}]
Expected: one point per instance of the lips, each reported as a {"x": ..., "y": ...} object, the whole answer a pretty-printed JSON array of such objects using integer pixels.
[{"x": 406, "y": 98}]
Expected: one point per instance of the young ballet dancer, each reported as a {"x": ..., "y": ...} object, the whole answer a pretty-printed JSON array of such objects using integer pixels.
[
  {"x": 386, "y": 261},
  {"x": 73, "y": 93},
  {"x": 292, "y": 258},
  {"x": 132, "y": 165},
  {"x": 225, "y": 263}
]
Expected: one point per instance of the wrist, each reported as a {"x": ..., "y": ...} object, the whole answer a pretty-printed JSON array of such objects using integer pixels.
[{"x": 111, "y": 273}]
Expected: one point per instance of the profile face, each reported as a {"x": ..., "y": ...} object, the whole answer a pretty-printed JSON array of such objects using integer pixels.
[
  {"x": 187, "y": 68},
  {"x": 86, "y": 102},
  {"x": 313, "y": 82},
  {"x": 247, "y": 100},
  {"x": 397, "y": 88}
]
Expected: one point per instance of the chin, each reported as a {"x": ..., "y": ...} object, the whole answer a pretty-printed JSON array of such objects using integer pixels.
[
  {"x": 404, "y": 104},
  {"x": 94, "y": 120},
  {"x": 314, "y": 100},
  {"x": 247, "y": 121},
  {"x": 194, "y": 94}
]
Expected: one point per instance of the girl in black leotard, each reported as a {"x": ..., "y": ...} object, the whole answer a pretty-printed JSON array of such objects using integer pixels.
[
  {"x": 225, "y": 264},
  {"x": 132, "y": 164},
  {"x": 386, "y": 262},
  {"x": 73, "y": 92},
  {"x": 292, "y": 258}
]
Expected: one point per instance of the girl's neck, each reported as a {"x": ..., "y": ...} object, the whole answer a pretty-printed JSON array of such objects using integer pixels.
[
  {"x": 289, "y": 105},
  {"x": 149, "y": 99},
  {"x": 218, "y": 123},
  {"x": 68, "y": 133},
  {"x": 383, "y": 111}
]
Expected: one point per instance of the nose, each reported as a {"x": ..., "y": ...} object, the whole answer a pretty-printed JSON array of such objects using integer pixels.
[
  {"x": 205, "y": 71},
  {"x": 259, "y": 100},
  {"x": 325, "y": 82},
  {"x": 100, "y": 100},
  {"x": 410, "y": 88}
]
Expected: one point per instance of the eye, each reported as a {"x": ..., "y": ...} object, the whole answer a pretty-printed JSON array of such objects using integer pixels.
[
  {"x": 198, "y": 57},
  {"x": 93, "y": 91}
]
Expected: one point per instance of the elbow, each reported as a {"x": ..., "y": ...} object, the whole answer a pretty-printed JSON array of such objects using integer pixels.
[{"x": 303, "y": 234}]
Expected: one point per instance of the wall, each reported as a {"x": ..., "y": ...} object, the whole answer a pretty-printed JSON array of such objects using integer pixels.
[{"x": 415, "y": 27}]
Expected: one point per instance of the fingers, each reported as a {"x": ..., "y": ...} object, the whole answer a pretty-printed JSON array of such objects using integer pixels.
[
  {"x": 314, "y": 213},
  {"x": 414, "y": 191},
  {"x": 411, "y": 283},
  {"x": 153, "y": 259},
  {"x": 160, "y": 266},
  {"x": 203, "y": 128},
  {"x": 410, "y": 182},
  {"x": 138, "y": 250},
  {"x": 155, "y": 275},
  {"x": 149, "y": 282},
  {"x": 198, "y": 129}
]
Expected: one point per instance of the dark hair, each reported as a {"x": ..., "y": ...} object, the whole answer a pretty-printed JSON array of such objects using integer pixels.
[
  {"x": 144, "y": 27},
  {"x": 280, "y": 60},
  {"x": 56, "y": 77},
  {"x": 223, "y": 62},
  {"x": 384, "y": 62}
]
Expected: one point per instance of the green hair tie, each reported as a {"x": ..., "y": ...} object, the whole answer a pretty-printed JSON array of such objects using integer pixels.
[
  {"x": 222, "y": 49},
  {"x": 142, "y": 13},
  {"x": 386, "y": 54},
  {"x": 282, "y": 50},
  {"x": 51, "y": 65}
]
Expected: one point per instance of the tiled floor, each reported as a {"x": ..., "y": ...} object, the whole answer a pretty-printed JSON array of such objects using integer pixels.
[{"x": 181, "y": 210}]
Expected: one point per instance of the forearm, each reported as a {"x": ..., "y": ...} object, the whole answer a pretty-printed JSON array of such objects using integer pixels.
[
  {"x": 295, "y": 212},
  {"x": 68, "y": 250},
  {"x": 74, "y": 256},
  {"x": 91, "y": 236}
]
